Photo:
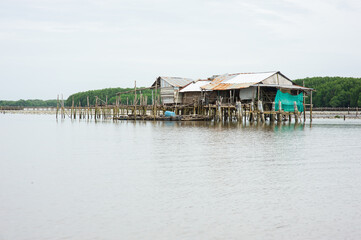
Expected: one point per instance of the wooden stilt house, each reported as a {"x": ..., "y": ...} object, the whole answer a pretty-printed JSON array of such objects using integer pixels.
[{"x": 253, "y": 87}]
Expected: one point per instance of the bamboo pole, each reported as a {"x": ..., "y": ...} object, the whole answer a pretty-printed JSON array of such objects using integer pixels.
[
  {"x": 229, "y": 113},
  {"x": 87, "y": 101},
  {"x": 155, "y": 98},
  {"x": 311, "y": 108},
  {"x": 62, "y": 107},
  {"x": 74, "y": 111},
  {"x": 260, "y": 109},
  {"x": 57, "y": 106},
  {"x": 239, "y": 113},
  {"x": 72, "y": 108},
  {"x": 251, "y": 112},
  {"x": 289, "y": 117},
  {"x": 127, "y": 106},
  {"x": 79, "y": 109},
  {"x": 96, "y": 108},
  {"x": 273, "y": 112},
  {"x": 296, "y": 111},
  {"x": 135, "y": 100},
  {"x": 304, "y": 104},
  {"x": 245, "y": 113},
  {"x": 279, "y": 117}
]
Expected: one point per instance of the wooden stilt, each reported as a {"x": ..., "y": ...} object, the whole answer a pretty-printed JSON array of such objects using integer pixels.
[
  {"x": 260, "y": 110},
  {"x": 279, "y": 115},
  {"x": 272, "y": 117},
  {"x": 96, "y": 108},
  {"x": 79, "y": 109},
  {"x": 296, "y": 111},
  {"x": 72, "y": 108},
  {"x": 251, "y": 112},
  {"x": 57, "y": 106},
  {"x": 311, "y": 108}
]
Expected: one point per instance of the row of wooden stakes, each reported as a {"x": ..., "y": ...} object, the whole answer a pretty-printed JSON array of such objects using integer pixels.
[{"x": 217, "y": 112}]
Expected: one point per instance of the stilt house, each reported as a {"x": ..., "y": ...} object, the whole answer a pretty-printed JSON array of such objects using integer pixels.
[{"x": 250, "y": 87}]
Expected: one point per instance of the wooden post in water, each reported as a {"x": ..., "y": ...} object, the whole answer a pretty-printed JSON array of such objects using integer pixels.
[
  {"x": 219, "y": 111},
  {"x": 311, "y": 108},
  {"x": 62, "y": 107},
  {"x": 152, "y": 97},
  {"x": 272, "y": 117},
  {"x": 146, "y": 105},
  {"x": 79, "y": 109},
  {"x": 229, "y": 113},
  {"x": 260, "y": 109},
  {"x": 96, "y": 108},
  {"x": 115, "y": 107},
  {"x": 118, "y": 106},
  {"x": 135, "y": 100},
  {"x": 239, "y": 111},
  {"x": 155, "y": 103},
  {"x": 279, "y": 117},
  {"x": 57, "y": 106},
  {"x": 245, "y": 112},
  {"x": 296, "y": 111},
  {"x": 304, "y": 104},
  {"x": 289, "y": 117},
  {"x": 74, "y": 111},
  {"x": 127, "y": 106},
  {"x": 87, "y": 102},
  {"x": 72, "y": 108},
  {"x": 251, "y": 112}
]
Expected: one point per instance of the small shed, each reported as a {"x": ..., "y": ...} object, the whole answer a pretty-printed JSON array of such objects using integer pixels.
[{"x": 169, "y": 88}]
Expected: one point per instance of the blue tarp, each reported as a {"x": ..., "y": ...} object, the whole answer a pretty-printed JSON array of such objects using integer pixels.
[
  {"x": 287, "y": 101},
  {"x": 169, "y": 114}
]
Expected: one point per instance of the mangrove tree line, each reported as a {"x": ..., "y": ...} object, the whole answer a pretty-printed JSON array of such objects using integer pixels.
[
  {"x": 109, "y": 93},
  {"x": 333, "y": 91}
]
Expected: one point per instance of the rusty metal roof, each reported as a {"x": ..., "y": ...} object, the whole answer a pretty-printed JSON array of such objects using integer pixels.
[{"x": 237, "y": 81}]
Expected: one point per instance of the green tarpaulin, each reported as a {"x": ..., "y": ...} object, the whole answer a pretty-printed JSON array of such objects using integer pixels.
[{"x": 287, "y": 101}]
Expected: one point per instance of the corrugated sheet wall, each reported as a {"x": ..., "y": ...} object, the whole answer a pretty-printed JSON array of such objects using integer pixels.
[{"x": 167, "y": 95}]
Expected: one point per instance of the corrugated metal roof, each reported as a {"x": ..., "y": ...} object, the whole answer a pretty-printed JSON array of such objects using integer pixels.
[
  {"x": 250, "y": 77},
  {"x": 236, "y": 81},
  {"x": 195, "y": 86},
  {"x": 177, "y": 81}
]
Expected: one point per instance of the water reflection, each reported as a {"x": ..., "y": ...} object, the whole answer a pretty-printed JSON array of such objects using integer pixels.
[
  {"x": 266, "y": 126},
  {"x": 259, "y": 126}
]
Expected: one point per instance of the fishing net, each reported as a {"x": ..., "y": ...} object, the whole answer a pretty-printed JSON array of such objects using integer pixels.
[{"x": 287, "y": 101}]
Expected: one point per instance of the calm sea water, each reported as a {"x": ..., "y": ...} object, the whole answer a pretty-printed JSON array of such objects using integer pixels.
[{"x": 169, "y": 180}]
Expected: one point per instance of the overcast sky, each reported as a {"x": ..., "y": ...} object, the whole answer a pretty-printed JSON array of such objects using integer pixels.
[{"x": 50, "y": 47}]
